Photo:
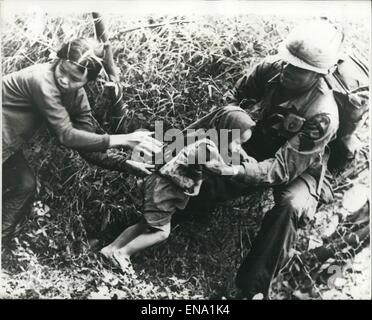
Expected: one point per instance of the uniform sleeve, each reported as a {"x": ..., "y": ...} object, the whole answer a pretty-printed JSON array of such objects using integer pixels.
[
  {"x": 303, "y": 150},
  {"x": 112, "y": 159},
  {"x": 47, "y": 99}
]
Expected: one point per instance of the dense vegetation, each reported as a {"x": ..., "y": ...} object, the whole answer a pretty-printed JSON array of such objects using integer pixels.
[{"x": 172, "y": 69}]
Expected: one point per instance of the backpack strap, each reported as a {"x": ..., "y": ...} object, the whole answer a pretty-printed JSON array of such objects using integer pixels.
[
  {"x": 334, "y": 83},
  {"x": 327, "y": 79},
  {"x": 334, "y": 79}
]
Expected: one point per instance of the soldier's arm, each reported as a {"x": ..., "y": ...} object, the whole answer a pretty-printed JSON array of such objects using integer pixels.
[
  {"x": 47, "y": 100},
  {"x": 111, "y": 159},
  {"x": 305, "y": 149}
]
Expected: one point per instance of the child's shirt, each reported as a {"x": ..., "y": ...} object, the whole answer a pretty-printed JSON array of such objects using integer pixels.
[
  {"x": 185, "y": 169},
  {"x": 30, "y": 97}
]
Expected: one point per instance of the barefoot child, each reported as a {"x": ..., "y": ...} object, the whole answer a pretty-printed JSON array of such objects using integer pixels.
[{"x": 171, "y": 187}]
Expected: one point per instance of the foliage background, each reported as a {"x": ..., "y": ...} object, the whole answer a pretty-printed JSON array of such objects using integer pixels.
[{"x": 174, "y": 69}]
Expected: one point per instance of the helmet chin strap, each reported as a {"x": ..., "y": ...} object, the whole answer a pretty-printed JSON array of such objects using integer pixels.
[{"x": 332, "y": 69}]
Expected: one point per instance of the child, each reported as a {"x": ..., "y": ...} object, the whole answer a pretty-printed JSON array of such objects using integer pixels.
[{"x": 171, "y": 187}]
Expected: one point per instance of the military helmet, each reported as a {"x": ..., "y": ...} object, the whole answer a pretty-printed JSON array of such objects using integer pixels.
[{"x": 312, "y": 46}]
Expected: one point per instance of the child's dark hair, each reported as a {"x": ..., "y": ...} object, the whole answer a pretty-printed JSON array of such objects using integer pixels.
[{"x": 85, "y": 53}]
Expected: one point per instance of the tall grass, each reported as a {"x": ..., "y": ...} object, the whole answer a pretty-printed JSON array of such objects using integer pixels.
[{"x": 172, "y": 69}]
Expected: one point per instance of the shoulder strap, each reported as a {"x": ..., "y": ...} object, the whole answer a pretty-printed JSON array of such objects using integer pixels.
[{"x": 335, "y": 80}]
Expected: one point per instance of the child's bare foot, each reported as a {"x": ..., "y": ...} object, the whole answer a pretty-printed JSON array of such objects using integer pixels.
[
  {"x": 108, "y": 253},
  {"x": 124, "y": 261}
]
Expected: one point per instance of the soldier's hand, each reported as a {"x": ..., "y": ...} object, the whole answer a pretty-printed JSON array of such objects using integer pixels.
[
  {"x": 144, "y": 147},
  {"x": 139, "y": 169},
  {"x": 143, "y": 140}
]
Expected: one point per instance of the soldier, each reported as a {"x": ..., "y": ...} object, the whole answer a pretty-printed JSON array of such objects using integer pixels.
[
  {"x": 53, "y": 93},
  {"x": 297, "y": 117}
]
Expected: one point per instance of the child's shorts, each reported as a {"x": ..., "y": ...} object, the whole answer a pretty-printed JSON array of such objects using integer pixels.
[{"x": 162, "y": 199}]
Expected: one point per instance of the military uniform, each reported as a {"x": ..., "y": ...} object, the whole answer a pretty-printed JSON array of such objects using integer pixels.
[
  {"x": 289, "y": 150},
  {"x": 292, "y": 132},
  {"x": 30, "y": 97}
]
